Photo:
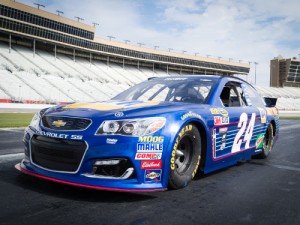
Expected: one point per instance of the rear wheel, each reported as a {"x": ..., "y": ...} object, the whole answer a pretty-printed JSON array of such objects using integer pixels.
[
  {"x": 185, "y": 157},
  {"x": 268, "y": 142}
]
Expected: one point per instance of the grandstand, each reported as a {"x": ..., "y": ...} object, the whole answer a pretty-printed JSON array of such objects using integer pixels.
[{"x": 46, "y": 58}]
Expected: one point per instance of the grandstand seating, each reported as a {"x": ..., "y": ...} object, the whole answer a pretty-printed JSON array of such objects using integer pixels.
[{"x": 40, "y": 77}]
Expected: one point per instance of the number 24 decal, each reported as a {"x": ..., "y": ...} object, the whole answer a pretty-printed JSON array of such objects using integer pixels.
[{"x": 236, "y": 146}]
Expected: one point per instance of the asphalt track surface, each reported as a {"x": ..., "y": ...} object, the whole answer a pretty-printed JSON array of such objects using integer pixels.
[{"x": 253, "y": 192}]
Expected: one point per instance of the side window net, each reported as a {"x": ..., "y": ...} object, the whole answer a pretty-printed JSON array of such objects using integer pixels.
[{"x": 232, "y": 95}]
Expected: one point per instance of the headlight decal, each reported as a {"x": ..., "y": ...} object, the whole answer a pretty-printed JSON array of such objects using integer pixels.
[
  {"x": 132, "y": 127},
  {"x": 36, "y": 118}
]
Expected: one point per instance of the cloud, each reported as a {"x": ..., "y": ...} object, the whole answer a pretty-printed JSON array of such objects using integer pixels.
[{"x": 244, "y": 30}]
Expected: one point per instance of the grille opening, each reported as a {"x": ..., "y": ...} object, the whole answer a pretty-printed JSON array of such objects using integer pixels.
[
  {"x": 66, "y": 123},
  {"x": 57, "y": 154},
  {"x": 117, "y": 170}
]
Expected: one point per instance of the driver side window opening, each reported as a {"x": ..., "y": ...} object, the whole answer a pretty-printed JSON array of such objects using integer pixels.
[{"x": 232, "y": 95}]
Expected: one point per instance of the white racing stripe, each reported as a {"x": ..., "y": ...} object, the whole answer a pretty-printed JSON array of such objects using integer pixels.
[
  {"x": 286, "y": 167},
  {"x": 16, "y": 130},
  {"x": 9, "y": 157},
  {"x": 289, "y": 127}
]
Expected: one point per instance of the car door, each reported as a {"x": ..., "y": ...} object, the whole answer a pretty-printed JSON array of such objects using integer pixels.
[{"x": 236, "y": 124}]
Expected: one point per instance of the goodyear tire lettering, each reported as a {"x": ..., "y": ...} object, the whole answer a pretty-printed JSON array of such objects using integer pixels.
[{"x": 183, "y": 171}]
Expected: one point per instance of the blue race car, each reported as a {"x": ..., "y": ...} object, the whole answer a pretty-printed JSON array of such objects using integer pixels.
[{"x": 154, "y": 136}]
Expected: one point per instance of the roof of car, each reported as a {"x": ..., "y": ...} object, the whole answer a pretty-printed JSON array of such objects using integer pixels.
[{"x": 212, "y": 77}]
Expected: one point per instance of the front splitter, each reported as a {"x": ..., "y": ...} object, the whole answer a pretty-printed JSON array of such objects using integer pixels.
[{"x": 23, "y": 170}]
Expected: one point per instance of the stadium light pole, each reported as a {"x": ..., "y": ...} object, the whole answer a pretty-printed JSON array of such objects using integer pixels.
[
  {"x": 219, "y": 57},
  {"x": 183, "y": 51},
  {"x": 126, "y": 41},
  {"x": 140, "y": 44},
  {"x": 111, "y": 37},
  {"x": 170, "y": 49},
  {"x": 9, "y": 43},
  {"x": 255, "y": 63},
  {"x": 196, "y": 53},
  {"x": 38, "y": 5},
  {"x": 95, "y": 24},
  {"x": 59, "y": 12},
  {"x": 155, "y": 47},
  {"x": 79, "y": 18}
]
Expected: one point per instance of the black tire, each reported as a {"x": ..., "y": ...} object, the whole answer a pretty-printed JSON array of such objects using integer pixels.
[
  {"x": 185, "y": 158},
  {"x": 268, "y": 142}
]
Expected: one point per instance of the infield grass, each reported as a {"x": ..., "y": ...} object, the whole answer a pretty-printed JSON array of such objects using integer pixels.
[
  {"x": 290, "y": 117},
  {"x": 15, "y": 119}
]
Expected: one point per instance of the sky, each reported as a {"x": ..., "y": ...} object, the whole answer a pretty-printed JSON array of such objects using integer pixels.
[{"x": 251, "y": 31}]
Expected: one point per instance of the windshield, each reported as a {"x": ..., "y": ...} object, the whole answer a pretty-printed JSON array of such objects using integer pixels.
[{"x": 189, "y": 90}]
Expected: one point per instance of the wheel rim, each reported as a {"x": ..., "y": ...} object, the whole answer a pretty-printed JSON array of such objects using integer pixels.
[{"x": 184, "y": 154}]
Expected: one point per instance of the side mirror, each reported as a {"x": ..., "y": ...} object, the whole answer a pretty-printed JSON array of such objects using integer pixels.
[{"x": 270, "y": 102}]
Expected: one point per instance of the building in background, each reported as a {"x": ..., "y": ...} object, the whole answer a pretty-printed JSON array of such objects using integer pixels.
[
  {"x": 285, "y": 72},
  {"x": 38, "y": 29}
]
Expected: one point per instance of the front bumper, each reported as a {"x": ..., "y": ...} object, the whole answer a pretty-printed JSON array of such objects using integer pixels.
[
  {"x": 82, "y": 176},
  {"x": 86, "y": 183}
]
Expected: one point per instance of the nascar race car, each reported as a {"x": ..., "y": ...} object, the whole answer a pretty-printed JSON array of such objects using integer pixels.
[{"x": 154, "y": 136}]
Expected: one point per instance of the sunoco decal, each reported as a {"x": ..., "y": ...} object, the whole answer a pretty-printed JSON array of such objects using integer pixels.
[{"x": 152, "y": 175}]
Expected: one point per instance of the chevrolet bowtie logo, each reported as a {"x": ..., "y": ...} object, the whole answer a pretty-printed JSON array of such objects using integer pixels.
[{"x": 59, "y": 123}]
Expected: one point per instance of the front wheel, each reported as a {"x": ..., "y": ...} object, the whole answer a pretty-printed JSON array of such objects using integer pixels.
[
  {"x": 268, "y": 142},
  {"x": 185, "y": 157}
]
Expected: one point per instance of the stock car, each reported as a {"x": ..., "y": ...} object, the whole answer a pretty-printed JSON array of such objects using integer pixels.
[{"x": 154, "y": 136}]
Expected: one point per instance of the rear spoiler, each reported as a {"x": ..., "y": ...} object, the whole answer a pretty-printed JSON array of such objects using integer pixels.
[{"x": 270, "y": 102}]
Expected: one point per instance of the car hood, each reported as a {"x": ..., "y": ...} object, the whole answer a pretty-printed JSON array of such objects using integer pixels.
[{"x": 113, "y": 109}]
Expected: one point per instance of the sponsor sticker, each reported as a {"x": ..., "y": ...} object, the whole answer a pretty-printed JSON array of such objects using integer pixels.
[
  {"x": 152, "y": 175},
  {"x": 263, "y": 115},
  {"x": 175, "y": 78},
  {"x": 119, "y": 114},
  {"x": 149, "y": 147},
  {"x": 190, "y": 114},
  {"x": 111, "y": 141},
  {"x": 223, "y": 132},
  {"x": 221, "y": 120},
  {"x": 147, "y": 155},
  {"x": 259, "y": 140},
  {"x": 151, "y": 164},
  {"x": 62, "y": 136},
  {"x": 151, "y": 139},
  {"x": 221, "y": 111}
]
